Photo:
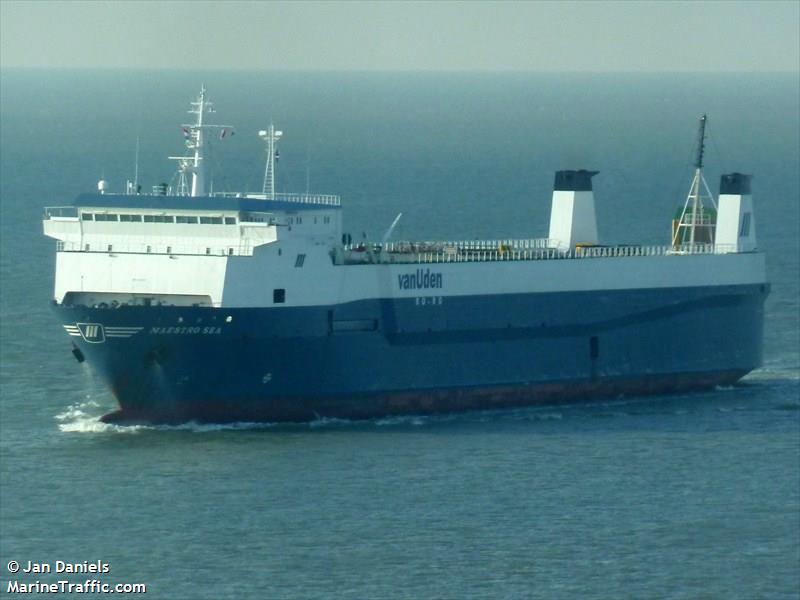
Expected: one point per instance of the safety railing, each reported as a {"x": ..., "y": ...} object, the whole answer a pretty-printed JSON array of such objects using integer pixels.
[
  {"x": 60, "y": 211},
  {"x": 506, "y": 250},
  {"x": 615, "y": 251},
  {"x": 319, "y": 199}
]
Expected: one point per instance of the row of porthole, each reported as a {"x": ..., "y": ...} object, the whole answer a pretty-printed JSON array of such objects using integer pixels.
[{"x": 149, "y": 250}]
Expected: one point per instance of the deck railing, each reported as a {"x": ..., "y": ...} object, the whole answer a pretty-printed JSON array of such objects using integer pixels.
[
  {"x": 60, "y": 211},
  {"x": 506, "y": 250},
  {"x": 324, "y": 199}
]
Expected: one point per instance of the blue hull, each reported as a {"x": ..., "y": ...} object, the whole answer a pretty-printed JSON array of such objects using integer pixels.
[{"x": 387, "y": 357}]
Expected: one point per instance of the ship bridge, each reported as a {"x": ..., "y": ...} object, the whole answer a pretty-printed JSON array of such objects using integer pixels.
[
  {"x": 117, "y": 249},
  {"x": 221, "y": 224}
]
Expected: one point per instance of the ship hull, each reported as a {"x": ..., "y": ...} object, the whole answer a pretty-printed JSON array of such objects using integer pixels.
[{"x": 429, "y": 355}]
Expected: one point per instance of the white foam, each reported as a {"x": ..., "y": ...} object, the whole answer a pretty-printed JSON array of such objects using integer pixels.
[{"x": 84, "y": 417}]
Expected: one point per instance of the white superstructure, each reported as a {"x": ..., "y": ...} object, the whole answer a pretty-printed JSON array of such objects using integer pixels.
[{"x": 182, "y": 246}]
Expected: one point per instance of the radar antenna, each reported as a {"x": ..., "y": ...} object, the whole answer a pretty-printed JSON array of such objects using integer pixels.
[{"x": 696, "y": 223}]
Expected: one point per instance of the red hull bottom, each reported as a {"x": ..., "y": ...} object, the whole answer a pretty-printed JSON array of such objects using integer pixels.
[{"x": 422, "y": 402}]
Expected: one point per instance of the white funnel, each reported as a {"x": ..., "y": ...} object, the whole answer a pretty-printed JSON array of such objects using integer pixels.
[
  {"x": 572, "y": 215},
  {"x": 736, "y": 226}
]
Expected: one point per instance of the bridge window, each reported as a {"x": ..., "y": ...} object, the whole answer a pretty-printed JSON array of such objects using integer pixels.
[
  {"x": 279, "y": 296},
  {"x": 149, "y": 219},
  {"x": 185, "y": 219},
  {"x": 131, "y": 218},
  {"x": 87, "y": 216},
  {"x": 230, "y": 220}
]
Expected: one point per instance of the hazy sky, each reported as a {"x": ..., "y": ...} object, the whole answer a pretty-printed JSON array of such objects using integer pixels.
[{"x": 539, "y": 36}]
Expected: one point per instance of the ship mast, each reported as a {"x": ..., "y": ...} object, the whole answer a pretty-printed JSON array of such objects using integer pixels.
[
  {"x": 195, "y": 134},
  {"x": 199, "y": 107},
  {"x": 271, "y": 137},
  {"x": 693, "y": 216}
]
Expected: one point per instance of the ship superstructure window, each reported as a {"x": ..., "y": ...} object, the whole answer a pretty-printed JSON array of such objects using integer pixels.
[
  {"x": 326, "y": 220},
  {"x": 279, "y": 296},
  {"x": 251, "y": 218},
  {"x": 745, "y": 229},
  {"x": 184, "y": 219},
  {"x": 301, "y": 258}
]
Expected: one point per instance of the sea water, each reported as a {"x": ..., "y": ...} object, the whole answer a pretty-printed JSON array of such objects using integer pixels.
[{"x": 680, "y": 496}]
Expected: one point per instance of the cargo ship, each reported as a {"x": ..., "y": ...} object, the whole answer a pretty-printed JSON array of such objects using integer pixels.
[{"x": 257, "y": 306}]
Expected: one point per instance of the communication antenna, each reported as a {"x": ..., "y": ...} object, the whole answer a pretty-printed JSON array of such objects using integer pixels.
[
  {"x": 195, "y": 134},
  {"x": 136, "y": 168},
  {"x": 270, "y": 137}
]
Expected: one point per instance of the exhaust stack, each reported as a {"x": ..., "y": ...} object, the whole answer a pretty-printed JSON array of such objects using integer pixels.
[
  {"x": 572, "y": 214},
  {"x": 736, "y": 227}
]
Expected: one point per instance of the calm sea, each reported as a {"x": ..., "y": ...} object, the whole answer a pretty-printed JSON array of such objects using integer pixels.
[{"x": 686, "y": 496}]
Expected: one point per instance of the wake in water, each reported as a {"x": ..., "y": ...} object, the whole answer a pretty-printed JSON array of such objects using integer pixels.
[{"x": 84, "y": 417}]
